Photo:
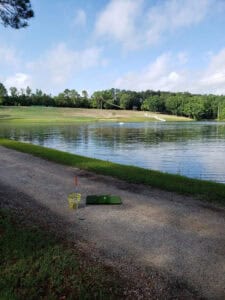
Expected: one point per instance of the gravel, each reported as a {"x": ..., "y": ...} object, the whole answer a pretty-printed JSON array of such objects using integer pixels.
[{"x": 174, "y": 246}]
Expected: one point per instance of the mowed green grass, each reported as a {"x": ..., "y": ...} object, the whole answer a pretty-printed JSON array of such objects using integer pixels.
[
  {"x": 205, "y": 190},
  {"x": 35, "y": 265},
  {"x": 39, "y": 114}
]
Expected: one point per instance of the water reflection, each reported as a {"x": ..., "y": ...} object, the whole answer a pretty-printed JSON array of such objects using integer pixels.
[{"x": 192, "y": 149}]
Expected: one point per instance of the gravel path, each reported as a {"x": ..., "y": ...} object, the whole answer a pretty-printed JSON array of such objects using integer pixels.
[{"x": 161, "y": 234}]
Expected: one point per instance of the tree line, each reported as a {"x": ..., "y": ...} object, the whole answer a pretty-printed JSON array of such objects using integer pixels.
[{"x": 195, "y": 106}]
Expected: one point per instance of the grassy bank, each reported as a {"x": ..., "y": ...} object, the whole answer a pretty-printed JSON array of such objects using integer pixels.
[
  {"x": 206, "y": 190},
  {"x": 34, "y": 114},
  {"x": 35, "y": 265}
]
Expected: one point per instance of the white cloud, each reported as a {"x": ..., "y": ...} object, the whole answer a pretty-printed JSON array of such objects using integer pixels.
[
  {"x": 53, "y": 70},
  {"x": 168, "y": 73},
  {"x": 214, "y": 75},
  {"x": 80, "y": 18},
  {"x": 10, "y": 63},
  {"x": 8, "y": 56},
  {"x": 60, "y": 64},
  {"x": 174, "y": 14},
  {"x": 126, "y": 21},
  {"x": 182, "y": 58},
  {"x": 118, "y": 21},
  {"x": 19, "y": 80},
  {"x": 159, "y": 75}
]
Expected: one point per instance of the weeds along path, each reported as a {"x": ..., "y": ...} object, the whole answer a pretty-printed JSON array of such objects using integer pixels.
[{"x": 157, "y": 232}]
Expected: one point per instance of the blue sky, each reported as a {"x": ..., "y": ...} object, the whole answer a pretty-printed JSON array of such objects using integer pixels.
[{"x": 174, "y": 45}]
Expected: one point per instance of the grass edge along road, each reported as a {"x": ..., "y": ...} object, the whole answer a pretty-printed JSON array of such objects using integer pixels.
[
  {"x": 205, "y": 190},
  {"x": 36, "y": 265}
]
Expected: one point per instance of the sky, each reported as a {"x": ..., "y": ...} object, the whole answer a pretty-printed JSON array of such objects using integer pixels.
[{"x": 168, "y": 45}]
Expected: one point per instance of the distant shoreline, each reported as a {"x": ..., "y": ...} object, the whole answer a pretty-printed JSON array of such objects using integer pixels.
[{"x": 42, "y": 114}]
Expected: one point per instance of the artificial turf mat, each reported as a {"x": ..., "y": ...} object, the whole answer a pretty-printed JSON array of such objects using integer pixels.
[{"x": 103, "y": 199}]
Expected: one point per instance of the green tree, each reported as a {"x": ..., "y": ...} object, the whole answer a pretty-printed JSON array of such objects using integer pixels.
[
  {"x": 3, "y": 93},
  {"x": 84, "y": 94},
  {"x": 15, "y": 13},
  {"x": 198, "y": 107},
  {"x": 174, "y": 104},
  {"x": 75, "y": 99},
  {"x": 126, "y": 101},
  {"x": 28, "y": 91},
  {"x": 221, "y": 111},
  {"x": 153, "y": 103},
  {"x": 108, "y": 99},
  {"x": 13, "y": 91},
  {"x": 97, "y": 99},
  {"x": 37, "y": 97},
  {"x": 85, "y": 99},
  {"x": 69, "y": 98}
]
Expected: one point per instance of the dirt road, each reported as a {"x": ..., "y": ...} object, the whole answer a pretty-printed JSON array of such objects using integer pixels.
[{"x": 155, "y": 231}]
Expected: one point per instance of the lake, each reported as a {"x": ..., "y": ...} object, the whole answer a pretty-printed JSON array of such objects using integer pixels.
[{"x": 193, "y": 149}]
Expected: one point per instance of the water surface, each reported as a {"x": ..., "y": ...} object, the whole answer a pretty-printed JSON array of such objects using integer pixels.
[{"x": 193, "y": 149}]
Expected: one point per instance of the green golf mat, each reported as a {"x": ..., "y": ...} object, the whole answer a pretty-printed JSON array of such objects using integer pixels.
[{"x": 103, "y": 199}]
